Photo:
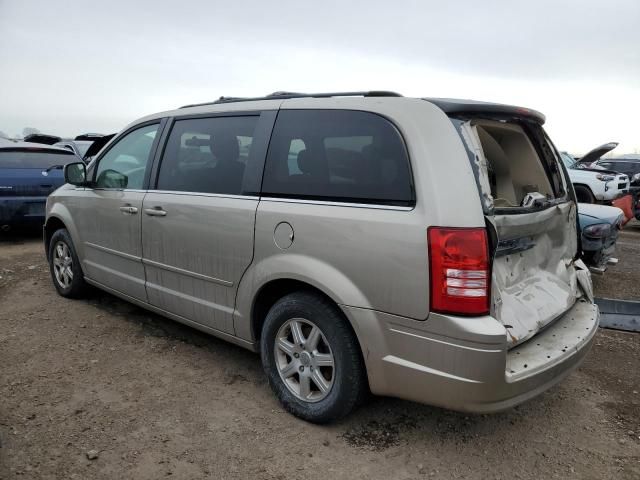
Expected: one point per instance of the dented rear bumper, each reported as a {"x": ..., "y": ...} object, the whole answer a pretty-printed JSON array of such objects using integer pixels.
[{"x": 464, "y": 363}]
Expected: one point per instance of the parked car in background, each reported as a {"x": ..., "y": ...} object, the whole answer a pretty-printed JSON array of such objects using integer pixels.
[
  {"x": 78, "y": 147},
  {"x": 628, "y": 166},
  {"x": 26, "y": 180},
  {"x": 96, "y": 146},
  {"x": 595, "y": 185},
  {"x": 89, "y": 136},
  {"x": 42, "y": 138},
  {"x": 85, "y": 146},
  {"x": 599, "y": 227},
  {"x": 318, "y": 230}
]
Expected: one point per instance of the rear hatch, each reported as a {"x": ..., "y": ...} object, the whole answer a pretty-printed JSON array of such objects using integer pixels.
[{"x": 531, "y": 217}]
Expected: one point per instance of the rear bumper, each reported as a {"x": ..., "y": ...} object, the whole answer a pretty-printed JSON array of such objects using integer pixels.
[
  {"x": 463, "y": 363},
  {"x": 22, "y": 210}
]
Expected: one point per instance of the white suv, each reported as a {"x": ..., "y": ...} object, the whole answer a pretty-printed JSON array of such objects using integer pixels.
[{"x": 595, "y": 185}]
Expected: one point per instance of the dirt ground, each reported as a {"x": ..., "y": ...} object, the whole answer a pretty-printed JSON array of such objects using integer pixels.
[{"x": 156, "y": 399}]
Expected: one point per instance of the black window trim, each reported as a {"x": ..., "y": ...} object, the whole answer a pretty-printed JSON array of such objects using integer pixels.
[
  {"x": 358, "y": 202},
  {"x": 161, "y": 122},
  {"x": 260, "y": 142}
]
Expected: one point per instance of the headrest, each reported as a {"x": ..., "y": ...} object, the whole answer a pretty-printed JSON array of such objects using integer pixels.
[
  {"x": 224, "y": 147},
  {"x": 311, "y": 164}
]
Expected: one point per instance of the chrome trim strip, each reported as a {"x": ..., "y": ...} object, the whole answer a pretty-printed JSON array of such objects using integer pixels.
[
  {"x": 202, "y": 194},
  {"x": 338, "y": 204},
  {"x": 128, "y": 256},
  {"x": 103, "y": 189},
  {"x": 188, "y": 273}
]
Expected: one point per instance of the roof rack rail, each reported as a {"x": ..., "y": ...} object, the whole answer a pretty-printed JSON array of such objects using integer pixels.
[{"x": 286, "y": 95}]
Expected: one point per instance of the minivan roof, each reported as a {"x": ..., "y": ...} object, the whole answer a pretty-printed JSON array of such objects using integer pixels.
[{"x": 449, "y": 106}]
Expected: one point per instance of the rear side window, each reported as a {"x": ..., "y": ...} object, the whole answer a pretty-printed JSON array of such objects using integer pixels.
[
  {"x": 25, "y": 159},
  {"x": 207, "y": 155},
  {"x": 337, "y": 155}
]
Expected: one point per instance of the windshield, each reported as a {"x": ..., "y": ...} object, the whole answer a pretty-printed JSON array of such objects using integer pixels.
[
  {"x": 27, "y": 159},
  {"x": 567, "y": 159}
]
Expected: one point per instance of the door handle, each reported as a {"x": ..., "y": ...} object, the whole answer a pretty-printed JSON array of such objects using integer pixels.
[
  {"x": 128, "y": 209},
  {"x": 155, "y": 212}
]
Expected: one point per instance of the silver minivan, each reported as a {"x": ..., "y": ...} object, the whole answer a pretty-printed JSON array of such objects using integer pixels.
[{"x": 420, "y": 248}]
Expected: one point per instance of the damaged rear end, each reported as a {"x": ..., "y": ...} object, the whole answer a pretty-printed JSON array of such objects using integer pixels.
[
  {"x": 511, "y": 309},
  {"x": 540, "y": 290},
  {"x": 531, "y": 216}
]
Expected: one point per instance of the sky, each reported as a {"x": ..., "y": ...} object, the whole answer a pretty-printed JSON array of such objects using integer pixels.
[{"x": 70, "y": 67}]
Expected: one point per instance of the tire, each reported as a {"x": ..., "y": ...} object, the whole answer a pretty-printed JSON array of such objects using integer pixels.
[
  {"x": 583, "y": 194},
  {"x": 64, "y": 266},
  {"x": 345, "y": 382}
]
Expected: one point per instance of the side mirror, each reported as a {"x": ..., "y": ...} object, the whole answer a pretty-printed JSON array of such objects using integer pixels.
[
  {"x": 635, "y": 178},
  {"x": 76, "y": 174}
]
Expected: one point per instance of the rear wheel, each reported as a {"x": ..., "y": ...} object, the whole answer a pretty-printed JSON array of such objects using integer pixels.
[
  {"x": 64, "y": 265},
  {"x": 312, "y": 358},
  {"x": 583, "y": 194}
]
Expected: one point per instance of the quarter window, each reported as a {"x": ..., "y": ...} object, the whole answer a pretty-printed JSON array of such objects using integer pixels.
[
  {"x": 338, "y": 155},
  {"x": 125, "y": 164},
  {"x": 207, "y": 155}
]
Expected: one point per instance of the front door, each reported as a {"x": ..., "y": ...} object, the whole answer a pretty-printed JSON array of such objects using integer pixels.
[
  {"x": 198, "y": 224},
  {"x": 108, "y": 215}
]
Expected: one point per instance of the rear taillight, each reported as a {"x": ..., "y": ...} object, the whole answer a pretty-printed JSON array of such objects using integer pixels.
[{"x": 460, "y": 273}]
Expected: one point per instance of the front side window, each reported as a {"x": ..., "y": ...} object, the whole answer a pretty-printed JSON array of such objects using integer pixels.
[
  {"x": 124, "y": 165},
  {"x": 207, "y": 155},
  {"x": 337, "y": 155}
]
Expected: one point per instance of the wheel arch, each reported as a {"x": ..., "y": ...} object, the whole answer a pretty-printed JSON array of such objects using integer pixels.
[
  {"x": 52, "y": 224},
  {"x": 272, "y": 291},
  {"x": 60, "y": 217},
  {"x": 583, "y": 186}
]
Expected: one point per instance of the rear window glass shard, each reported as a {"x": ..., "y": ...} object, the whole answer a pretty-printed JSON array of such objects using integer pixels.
[{"x": 337, "y": 155}]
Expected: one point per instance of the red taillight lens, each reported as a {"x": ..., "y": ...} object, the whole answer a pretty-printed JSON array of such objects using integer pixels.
[{"x": 460, "y": 273}]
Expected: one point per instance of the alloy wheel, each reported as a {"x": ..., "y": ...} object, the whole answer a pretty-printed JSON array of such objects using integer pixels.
[
  {"x": 63, "y": 264},
  {"x": 304, "y": 359}
]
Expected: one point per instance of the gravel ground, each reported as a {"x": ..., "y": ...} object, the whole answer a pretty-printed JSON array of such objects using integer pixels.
[
  {"x": 623, "y": 280},
  {"x": 98, "y": 388}
]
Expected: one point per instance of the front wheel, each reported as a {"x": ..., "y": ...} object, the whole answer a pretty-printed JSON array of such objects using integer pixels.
[
  {"x": 312, "y": 358},
  {"x": 64, "y": 265},
  {"x": 584, "y": 194}
]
